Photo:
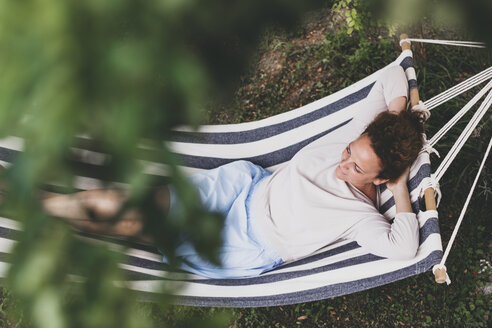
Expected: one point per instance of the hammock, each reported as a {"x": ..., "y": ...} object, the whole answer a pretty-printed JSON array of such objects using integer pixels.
[{"x": 339, "y": 269}]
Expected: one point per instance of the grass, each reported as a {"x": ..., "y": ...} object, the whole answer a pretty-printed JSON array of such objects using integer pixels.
[
  {"x": 9, "y": 318},
  {"x": 294, "y": 70}
]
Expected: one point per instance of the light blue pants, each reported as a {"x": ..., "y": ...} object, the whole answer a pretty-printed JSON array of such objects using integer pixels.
[{"x": 245, "y": 250}]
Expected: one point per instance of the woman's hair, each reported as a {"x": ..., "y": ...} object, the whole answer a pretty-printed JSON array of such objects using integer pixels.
[{"x": 397, "y": 140}]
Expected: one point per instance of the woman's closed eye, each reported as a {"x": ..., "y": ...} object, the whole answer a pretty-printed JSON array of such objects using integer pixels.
[{"x": 356, "y": 169}]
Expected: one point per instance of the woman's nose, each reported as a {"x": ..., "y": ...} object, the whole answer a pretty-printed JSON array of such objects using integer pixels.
[
  {"x": 344, "y": 161},
  {"x": 343, "y": 164},
  {"x": 345, "y": 155}
]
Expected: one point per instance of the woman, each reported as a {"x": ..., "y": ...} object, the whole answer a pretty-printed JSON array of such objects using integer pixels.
[{"x": 326, "y": 192}]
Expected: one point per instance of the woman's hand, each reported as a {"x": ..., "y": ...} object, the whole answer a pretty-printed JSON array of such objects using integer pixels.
[
  {"x": 400, "y": 192},
  {"x": 399, "y": 182}
]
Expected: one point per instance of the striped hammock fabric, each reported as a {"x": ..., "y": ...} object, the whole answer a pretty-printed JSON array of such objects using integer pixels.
[{"x": 341, "y": 268}]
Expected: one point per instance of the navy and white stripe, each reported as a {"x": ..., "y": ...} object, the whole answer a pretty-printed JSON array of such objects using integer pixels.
[{"x": 341, "y": 268}]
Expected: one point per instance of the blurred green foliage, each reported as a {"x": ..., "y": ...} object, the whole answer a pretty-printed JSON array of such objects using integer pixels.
[
  {"x": 471, "y": 17},
  {"x": 350, "y": 11},
  {"x": 123, "y": 73}
]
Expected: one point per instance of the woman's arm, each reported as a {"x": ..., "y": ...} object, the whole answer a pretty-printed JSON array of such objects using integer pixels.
[
  {"x": 400, "y": 193},
  {"x": 395, "y": 88},
  {"x": 399, "y": 240},
  {"x": 398, "y": 104}
]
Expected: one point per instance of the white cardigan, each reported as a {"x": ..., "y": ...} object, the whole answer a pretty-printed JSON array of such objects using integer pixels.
[{"x": 302, "y": 207}]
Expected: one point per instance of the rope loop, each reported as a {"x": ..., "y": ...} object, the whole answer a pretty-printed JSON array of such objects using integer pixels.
[
  {"x": 442, "y": 267},
  {"x": 427, "y": 147},
  {"x": 431, "y": 182},
  {"x": 405, "y": 40},
  {"x": 423, "y": 110}
]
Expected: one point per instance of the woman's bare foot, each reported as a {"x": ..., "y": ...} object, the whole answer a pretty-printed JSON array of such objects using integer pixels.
[{"x": 92, "y": 210}]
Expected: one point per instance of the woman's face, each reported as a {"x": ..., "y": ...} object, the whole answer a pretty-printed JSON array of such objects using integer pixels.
[{"x": 359, "y": 164}]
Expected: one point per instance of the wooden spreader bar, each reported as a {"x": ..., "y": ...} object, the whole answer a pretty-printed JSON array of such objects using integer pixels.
[{"x": 430, "y": 201}]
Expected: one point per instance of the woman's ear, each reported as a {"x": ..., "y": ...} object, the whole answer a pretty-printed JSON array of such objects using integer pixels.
[{"x": 378, "y": 181}]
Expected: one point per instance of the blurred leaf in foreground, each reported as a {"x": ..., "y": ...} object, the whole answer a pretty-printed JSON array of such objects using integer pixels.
[{"x": 121, "y": 73}]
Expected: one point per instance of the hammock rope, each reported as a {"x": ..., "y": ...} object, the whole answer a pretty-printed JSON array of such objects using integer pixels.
[
  {"x": 422, "y": 108},
  {"x": 436, "y": 137},
  {"x": 463, "y": 136},
  {"x": 462, "y": 214},
  {"x": 459, "y": 88},
  {"x": 433, "y": 180},
  {"x": 446, "y": 42}
]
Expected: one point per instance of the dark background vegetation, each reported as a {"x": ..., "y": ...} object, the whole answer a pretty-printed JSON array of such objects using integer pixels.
[{"x": 123, "y": 71}]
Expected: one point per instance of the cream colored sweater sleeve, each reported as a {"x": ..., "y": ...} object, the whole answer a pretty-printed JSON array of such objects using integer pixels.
[{"x": 399, "y": 240}]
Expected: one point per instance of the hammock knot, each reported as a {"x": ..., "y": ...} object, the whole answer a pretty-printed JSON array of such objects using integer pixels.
[
  {"x": 431, "y": 182},
  {"x": 442, "y": 267},
  {"x": 405, "y": 40},
  {"x": 423, "y": 110},
  {"x": 427, "y": 147}
]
